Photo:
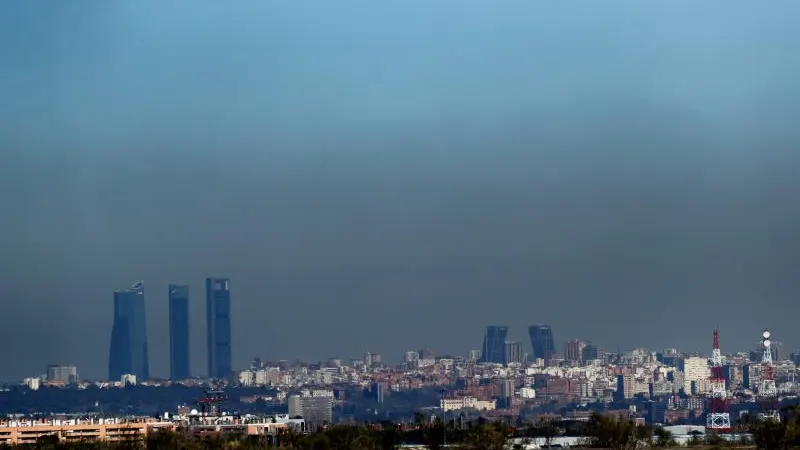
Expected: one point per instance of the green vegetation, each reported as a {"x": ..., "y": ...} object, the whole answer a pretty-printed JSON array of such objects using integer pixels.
[
  {"x": 601, "y": 431},
  {"x": 772, "y": 435}
]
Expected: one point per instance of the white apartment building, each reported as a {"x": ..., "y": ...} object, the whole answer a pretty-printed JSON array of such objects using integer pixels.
[
  {"x": 696, "y": 369},
  {"x": 454, "y": 404},
  {"x": 527, "y": 393}
]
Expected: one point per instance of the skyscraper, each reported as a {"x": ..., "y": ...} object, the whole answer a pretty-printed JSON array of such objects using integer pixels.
[
  {"x": 574, "y": 351},
  {"x": 218, "y": 314},
  {"x": 542, "y": 342},
  {"x": 494, "y": 344},
  {"x": 512, "y": 352},
  {"x": 179, "y": 332},
  {"x": 62, "y": 374},
  {"x": 128, "y": 352}
]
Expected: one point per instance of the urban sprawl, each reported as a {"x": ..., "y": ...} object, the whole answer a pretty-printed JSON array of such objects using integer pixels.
[{"x": 688, "y": 393}]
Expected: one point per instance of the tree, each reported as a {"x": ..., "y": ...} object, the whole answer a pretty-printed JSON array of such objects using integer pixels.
[
  {"x": 47, "y": 442},
  {"x": 389, "y": 437},
  {"x": 644, "y": 434},
  {"x": 314, "y": 441},
  {"x": 364, "y": 442},
  {"x": 771, "y": 434},
  {"x": 545, "y": 428},
  {"x": 162, "y": 439},
  {"x": 611, "y": 432},
  {"x": 486, "y": 437},
  {"x": 716, "y": 441},
  {"x": 289, "y": 438},
  {"x": 663, "y": 438},
  {"x": 346, "y": 437},
  {"x": 433, "y": 435}
]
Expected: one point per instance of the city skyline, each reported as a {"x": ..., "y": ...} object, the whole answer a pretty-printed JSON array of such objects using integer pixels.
[
  {"x": 495, "y": 348},
  {"x": 131, "y": 303},
  {"x": 671, "y": 356},
  {"x": 687, "y": 395}
]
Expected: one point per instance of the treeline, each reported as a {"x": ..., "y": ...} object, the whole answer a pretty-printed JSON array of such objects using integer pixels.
[{"x": 600, "y": 431}]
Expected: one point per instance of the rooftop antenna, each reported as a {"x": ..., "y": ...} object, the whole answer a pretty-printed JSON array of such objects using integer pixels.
[{"x": 768, "y": 391}]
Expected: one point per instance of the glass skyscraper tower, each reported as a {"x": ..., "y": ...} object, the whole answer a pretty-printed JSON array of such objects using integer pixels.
[
  {"x": 542, "y": 342},
  {"x": 218, "y": 315},
  {"x": 128, "y": 352},
  {"x": 494, "y": 344},
  {"x": 179, "y": 332}
]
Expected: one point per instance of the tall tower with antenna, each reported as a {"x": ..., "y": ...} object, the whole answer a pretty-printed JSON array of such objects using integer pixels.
[
  {"x": 718, "y": 418},
  {"x": 768, "y": 391}
]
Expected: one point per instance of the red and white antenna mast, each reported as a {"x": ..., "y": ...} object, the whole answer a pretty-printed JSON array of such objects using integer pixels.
[
  {"x": 768, "y": 391},
  {"x": 718, "y": 418}
]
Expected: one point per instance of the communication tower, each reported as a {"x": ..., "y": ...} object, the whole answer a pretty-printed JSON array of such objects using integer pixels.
[
  {"x": 718, "y": 418},
  {"x": 768, "y": 391}
]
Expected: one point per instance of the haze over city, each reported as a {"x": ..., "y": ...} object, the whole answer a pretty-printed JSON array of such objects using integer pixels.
[{"x": 393, "y": 177}]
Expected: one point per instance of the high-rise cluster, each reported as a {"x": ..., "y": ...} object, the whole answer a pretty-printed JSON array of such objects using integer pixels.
[
  {"x": 128, "y": 350},
  {"x": 498, "y": 349}
]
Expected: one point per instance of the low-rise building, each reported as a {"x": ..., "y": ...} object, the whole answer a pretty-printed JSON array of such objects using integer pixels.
[
  {"x": 457, "y": 403},
  {"x": 16, "y": 432}
]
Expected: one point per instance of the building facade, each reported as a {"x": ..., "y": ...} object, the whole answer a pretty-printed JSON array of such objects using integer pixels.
[
  {"x": 179, "y": 368},
  {"x": 574, "y": 351},
  {"x": 696, "y": 372},
  {"x": 128, "y": 350},
  {"x": 512, "y": 352},
  {"x": 592, "y": 352},
  {"x": 542, "y": 342},
  {"x": 316, "y": 410},
  {"x": 494, "y": 343},
  {"x": 62, "y": 374},
  {"x": 218, "y": 315},
  {"x": 27, "y": 432}
]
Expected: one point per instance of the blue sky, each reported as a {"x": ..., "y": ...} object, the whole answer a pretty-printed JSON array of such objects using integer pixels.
[{"x": 392, "y": 176}]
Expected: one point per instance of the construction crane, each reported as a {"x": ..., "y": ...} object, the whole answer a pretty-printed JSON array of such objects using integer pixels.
[{"x": 209, "y": 405}]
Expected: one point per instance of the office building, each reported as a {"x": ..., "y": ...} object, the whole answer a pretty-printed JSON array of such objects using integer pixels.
[
  {"x": 372, "y": 359},
  {"x": 512, "y": 352},
  {"x": 696, "y": 372},
  {"x": 656, "y": 412},
  {"x": 542, "y": 342},
  {"x": 179, "y": 332},
  {"x": 218, "y": 315},
  {"x": 378, "y": 391},
  {"x": 733, "y": 377},
  {"x": 62, "y": 374},
  {"x": 626, "y": 386},
  {"x": 317, "y": 411},
  {"x": 494, "y": 342},
  {"x": 411, "y": 356},
  {"x": 592, "y": 352},
  {"x": 128, "y": 350},
  {"x": 574, "y": 351}
]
